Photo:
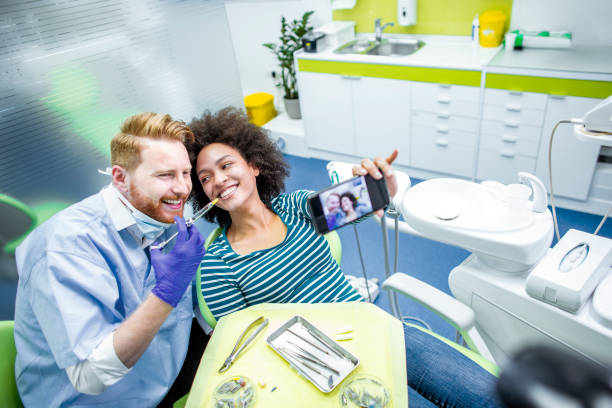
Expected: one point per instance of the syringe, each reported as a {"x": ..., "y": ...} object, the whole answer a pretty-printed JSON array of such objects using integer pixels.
[{"x": 189, "y": 223}]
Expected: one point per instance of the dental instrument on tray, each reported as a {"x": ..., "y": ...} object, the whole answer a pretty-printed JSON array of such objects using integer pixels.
[
  {"x": 259, "y": 323},
  {"x": 188, "y": 223},
  {"x": 323, "y": 342},
  {"x": 305, "y": 355},
  {"x": 307, "y": 341},
  {"x": 301, "y": 360}
]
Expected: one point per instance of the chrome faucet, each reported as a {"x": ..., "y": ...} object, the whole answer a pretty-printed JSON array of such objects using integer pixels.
[{"x": 378, "y": 29}]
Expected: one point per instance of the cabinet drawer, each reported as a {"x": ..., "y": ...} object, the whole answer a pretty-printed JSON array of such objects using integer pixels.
[
  {"x": 445, "y": 99},
  {"x": 451, "y": 152},
  {"x": 438, "y": 154},
  {"x": 509, "y": 144},
  {"x": 495, "y": 165},
  {"x": 509, "y": 129},
  {"x": 443, "y": 136},
  {"x": 424, "y": 90},
  {"x": 512, "y": 116},
  {"x": 445, "y": 120},
  {"x": 445, "y": 106},
  {"x": 515, "y": 99}
]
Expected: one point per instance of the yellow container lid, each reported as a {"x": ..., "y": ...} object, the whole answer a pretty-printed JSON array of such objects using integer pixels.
[
  {"x": 257, "y": 99},
  {"x": 492, "y": 16}
]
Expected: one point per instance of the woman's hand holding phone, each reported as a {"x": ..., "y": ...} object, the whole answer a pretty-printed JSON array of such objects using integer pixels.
[{"x": 378, "y": 168}]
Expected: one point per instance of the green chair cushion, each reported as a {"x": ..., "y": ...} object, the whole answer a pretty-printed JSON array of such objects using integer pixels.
[{"x": 9, "y": 397}]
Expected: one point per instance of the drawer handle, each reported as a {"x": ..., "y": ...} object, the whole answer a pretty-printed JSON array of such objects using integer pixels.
[
  {"x": 443, "y": 115},
  {"x": 442, "y": 129},
  {"x": 509, "y": 138},
  {"x": 555, "y": 96},
  {"x": 354, "y": 78},
  {"x": 442, "y": 85},
  {"x": 513, "y": 107},
  {"x": 517, "y": 93},
  {"x": 507, "y": 153},
  {"x": 511, "y": 123},
  {"x": 441, "y": 142},
  {"x": 444, "y": 99}
]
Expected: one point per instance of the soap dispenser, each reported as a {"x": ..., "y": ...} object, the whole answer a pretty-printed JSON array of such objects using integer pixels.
[{"x": 406, "y": 12}]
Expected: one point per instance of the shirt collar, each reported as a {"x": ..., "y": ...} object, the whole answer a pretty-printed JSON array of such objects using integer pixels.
[{"x": 121, "y": 216}]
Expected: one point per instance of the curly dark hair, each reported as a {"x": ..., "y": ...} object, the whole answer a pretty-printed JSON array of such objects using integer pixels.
[{"x": 231, "y": 127}]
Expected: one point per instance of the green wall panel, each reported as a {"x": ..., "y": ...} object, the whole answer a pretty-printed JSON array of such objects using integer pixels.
[
  {"x": 554, "y": 86},
  {"x": 436, "y": 75},
  {"x": 441, "y": 17}
]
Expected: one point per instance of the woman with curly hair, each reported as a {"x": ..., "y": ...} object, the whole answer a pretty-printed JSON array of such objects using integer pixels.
[{"x": 269, "y": 251}]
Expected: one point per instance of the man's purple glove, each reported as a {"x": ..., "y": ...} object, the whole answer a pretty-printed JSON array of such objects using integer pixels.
[{"x": 175, "y": 270}]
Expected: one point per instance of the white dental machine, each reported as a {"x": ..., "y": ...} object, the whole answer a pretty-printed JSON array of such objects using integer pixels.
[{"x": 519, "y": 289}]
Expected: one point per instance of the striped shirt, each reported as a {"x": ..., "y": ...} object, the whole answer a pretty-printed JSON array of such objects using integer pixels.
[{"x": 298, "y": 270}]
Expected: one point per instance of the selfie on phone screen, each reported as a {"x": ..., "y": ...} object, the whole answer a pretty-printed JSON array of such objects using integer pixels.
[{"x": 346, "y": 203}]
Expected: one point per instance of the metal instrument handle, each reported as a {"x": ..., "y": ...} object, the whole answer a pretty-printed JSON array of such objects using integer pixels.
[{"x": 262, "y": 323}]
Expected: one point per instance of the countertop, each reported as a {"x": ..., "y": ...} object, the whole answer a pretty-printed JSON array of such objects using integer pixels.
[
  {"x": 455, "y": 52},
  {"x": 591, "y": 62},
  {"x": 438, "y": 52}
]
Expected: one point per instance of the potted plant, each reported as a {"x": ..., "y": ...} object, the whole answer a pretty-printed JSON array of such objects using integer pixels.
[{"x": 290, "y": 42}]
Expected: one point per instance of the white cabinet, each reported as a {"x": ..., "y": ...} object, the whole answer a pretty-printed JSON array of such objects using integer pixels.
[
  {"x": 466, "y": 131},
  {"x": 355, "y": 115},
  {"x": 381, "y": 118},
  {"x": 509, "y": 134},
  {"x": 444, "y": 127},
  {"x": 327, "y": 112},
  {"x": 573, "y": 161}
]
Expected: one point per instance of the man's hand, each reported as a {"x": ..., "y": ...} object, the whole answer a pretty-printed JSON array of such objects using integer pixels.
[
  {"x": 374, "y": 169},
  {"x": 175, "y": 270}
]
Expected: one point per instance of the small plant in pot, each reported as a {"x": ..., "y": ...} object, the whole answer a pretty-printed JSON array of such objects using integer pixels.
[{"x": 290, "y": 42}]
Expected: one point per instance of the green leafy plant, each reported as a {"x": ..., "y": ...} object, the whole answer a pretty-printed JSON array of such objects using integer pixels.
[{"x": 290, "y": 42}]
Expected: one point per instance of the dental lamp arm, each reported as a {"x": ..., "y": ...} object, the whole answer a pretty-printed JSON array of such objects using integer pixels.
[{"x": 449, "y": 308}]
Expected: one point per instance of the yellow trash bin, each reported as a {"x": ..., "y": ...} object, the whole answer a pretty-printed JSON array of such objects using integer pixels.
[
  {"x": 260, "y": 108},
  {"x": 491, "y": 28}
]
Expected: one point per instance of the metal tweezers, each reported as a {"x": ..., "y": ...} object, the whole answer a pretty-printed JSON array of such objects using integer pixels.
[{"x": 260, "y": 323}]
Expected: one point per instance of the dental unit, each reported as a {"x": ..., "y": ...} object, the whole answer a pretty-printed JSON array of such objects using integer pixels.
[{"x": 517, "y": 289}]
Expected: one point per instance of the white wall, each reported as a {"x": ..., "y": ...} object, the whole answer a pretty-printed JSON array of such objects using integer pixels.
[
  {"x": 254, "y": 22},
  {"x": 589, "y": 21}
]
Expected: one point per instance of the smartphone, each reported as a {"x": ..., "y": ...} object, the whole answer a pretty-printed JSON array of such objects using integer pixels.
[{"x": 343, "y": 203}]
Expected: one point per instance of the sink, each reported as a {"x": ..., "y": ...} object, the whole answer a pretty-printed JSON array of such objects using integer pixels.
[
  {"x": 356, "y": 47},
  {"x": 387, "y": 48},
  {"x": 392, "y": 48}
]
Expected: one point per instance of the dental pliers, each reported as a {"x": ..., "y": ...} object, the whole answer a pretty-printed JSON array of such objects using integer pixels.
[{"x": 260, "y": 323}]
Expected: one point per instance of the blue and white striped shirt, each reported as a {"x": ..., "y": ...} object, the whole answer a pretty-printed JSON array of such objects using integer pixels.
[{"x": 298, "y": 270}]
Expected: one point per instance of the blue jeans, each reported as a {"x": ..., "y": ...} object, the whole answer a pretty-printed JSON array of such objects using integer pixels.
[{"x": 444, "y": 377}]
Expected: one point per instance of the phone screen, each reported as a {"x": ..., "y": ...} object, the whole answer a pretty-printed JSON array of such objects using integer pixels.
[{"x": 348, "y": 201}]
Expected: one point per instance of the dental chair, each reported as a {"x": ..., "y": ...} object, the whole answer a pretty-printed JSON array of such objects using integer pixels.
[
  {"x": 460, "y": 316},
  {"x": 455, "y": 312}
]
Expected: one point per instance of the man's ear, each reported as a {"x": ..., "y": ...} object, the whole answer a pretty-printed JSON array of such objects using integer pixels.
[{"x": 120, "y": 179}]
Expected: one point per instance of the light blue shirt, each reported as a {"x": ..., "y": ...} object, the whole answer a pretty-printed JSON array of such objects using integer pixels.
[{"x": 81, "y": 274}]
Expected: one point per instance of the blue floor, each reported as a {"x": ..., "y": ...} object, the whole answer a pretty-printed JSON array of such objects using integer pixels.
[{"x": 426, "y": 260}]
